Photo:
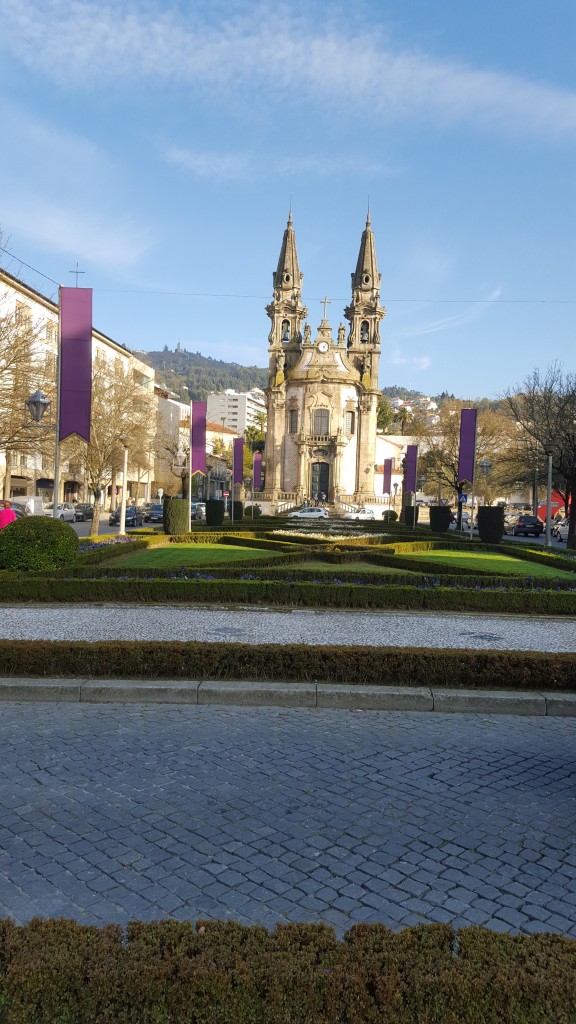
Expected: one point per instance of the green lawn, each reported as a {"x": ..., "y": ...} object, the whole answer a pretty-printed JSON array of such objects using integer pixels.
[
  {"x": 497, "y": 564},
  {"x": 175, "y": 555},
  {"x": 338, "y": 570}
]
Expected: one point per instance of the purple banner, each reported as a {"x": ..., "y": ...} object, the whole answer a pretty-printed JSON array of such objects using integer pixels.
[
  {"x": 257, "y": 471},
  {"x": 410, "y": 465},
  {"x": 75, "y": 362},
  {"x": 467, "y": 451},
  {"x": 198, "y": 437},
  {"x": 387, "y": 485},
  {"x": 238, "y": 460}
]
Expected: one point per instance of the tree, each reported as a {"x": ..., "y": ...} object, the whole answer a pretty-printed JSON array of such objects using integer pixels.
[
  {"x": 385, "y": 415},
  {"x": 544, "y": 408},
  {"x": 24, "y": 367},
  {"x": 122, "y": 408}
]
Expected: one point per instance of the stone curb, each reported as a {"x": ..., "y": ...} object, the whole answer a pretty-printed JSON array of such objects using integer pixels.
[{"x": 302, "y": 695}]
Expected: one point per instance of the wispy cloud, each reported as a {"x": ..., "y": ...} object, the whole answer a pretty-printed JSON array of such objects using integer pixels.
[
  {"x": 399, "y": 357},
  {"x": 243, "y": 166},
  {"x": 75, "y": 206},
  {"x": 228, "y": 49},
  {"x": 468, "y": 315}
]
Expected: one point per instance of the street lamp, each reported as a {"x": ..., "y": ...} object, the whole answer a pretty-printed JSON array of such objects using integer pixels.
[
  {"x": 549, "y": 448},
  {"x": 38, "y": 404},
  {"x": 124, "y": 441}
]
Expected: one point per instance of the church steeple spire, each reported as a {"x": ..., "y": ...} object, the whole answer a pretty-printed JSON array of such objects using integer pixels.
[
  {"x": 287, "y": 277},
  {"x": 286, "y": 310},
  {"x": 365, "y": 312}
]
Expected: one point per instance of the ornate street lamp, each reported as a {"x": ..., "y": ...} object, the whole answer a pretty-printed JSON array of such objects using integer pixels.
[{"x": 38, "y": 405}]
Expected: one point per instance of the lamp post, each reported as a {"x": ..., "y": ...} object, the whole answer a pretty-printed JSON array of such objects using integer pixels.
[
  {"x": 549, "y": 448},
  {"x": 122, "y": 531},
  {"x": 38, "y": 404}
]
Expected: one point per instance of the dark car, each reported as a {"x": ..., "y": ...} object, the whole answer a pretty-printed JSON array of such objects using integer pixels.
[
  {"x": 83, "y": 512},
  {"x": 524, "y": 526},
  {"x": 134, "y": 516},
  {"x": 155, "y": 514}
]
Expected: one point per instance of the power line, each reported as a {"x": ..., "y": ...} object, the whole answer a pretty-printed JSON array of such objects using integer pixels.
[{"x": 266, "y": 298}]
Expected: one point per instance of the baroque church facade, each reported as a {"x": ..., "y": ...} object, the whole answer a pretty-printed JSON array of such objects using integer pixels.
[{"x": 322, "y": 394}]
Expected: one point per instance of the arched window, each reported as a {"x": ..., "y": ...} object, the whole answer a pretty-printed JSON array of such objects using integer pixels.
[
  {"x": 349, "y": 423},
  {"x": 285, "y": 331},
  {"x": 293, "y": 421},
  {"x": 364, "y": 332}
]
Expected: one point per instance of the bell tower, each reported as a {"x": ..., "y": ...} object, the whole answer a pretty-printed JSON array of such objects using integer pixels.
[
  {"x": 365, "y": 312},
  {"x": 286, "y": 310}
]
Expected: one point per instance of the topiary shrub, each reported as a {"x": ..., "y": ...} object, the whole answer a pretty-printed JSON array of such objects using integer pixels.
[
  {"x": 37, "y": 543},
  {"x": 252, "y": 511},
  {"x": 389, "y": 515},
  {"x": 238, "y": 510},
  {"x": 175, "y": 516},
  {"x": 440, "y": 518},
  {"x": 410, "y": 515},
  {"x": 491, "y": 523},
  {"x": 214, "y": 512}
]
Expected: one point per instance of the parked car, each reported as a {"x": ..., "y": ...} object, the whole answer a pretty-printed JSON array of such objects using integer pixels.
[
  {"x": 155, "y": 514},
  {"x": 82, "y": 512},
  {"x": 525, "y": 526},
  {"x": 64, "y": 510},
  {"x": 18, "y": 509},
  {"x": 556, "y": 524},
  {"x": 134, "y": 516},
  {"x": 198, "y": 510},
  {"x": 310, "y": 512},
  {"x": 360, "y": 513}
]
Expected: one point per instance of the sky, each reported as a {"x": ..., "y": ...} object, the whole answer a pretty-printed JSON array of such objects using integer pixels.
[{"x": 159, "y": 146}]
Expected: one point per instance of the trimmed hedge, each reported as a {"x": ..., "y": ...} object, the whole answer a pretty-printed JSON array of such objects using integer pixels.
[
  {"x": 175, "y": 515},
  {"x": 37, "y": 543},
  {"x": 215, "y": 972},
  {"x": 440, "y": 516},
  {"x": 386, "y": 666},
  {"x": 214, "y": 512},
  {"x": 491, "y": 523}
]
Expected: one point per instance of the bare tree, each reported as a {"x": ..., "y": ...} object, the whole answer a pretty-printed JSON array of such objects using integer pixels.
[
  {"x": 121, "y": 409},
  {"x": 544, "y": 407}
]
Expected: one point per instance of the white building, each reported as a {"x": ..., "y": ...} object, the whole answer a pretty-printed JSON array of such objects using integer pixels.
[{"x": 237, "y": 410}]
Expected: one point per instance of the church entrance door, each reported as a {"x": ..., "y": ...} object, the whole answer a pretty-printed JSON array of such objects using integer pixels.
[{"x": 320, "y": 479}]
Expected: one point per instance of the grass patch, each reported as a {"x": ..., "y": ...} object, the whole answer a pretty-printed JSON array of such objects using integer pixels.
[
  {"x": 365, "y": 568},
  {"x": 174, "y": 556},
  {"x": 488, "y": 562}
]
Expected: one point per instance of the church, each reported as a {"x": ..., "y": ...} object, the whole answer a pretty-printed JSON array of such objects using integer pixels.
[{"x": 322, "y": 395}]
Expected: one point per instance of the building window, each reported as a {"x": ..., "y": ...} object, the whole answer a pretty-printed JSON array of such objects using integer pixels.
[
  {"x": 321, "y": 421},
  {"x": 349, "y": 422},
  {"x": 293, "y": 422},
  {"x": 22, "y": 314}
]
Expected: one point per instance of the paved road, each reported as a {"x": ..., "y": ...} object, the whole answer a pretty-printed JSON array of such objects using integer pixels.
[
  {"x": 257, "y": 626},
  {"x": 115, "y": 813}
]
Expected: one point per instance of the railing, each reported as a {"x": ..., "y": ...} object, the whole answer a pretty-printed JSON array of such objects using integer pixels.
[{"x": 318, "y": 438}]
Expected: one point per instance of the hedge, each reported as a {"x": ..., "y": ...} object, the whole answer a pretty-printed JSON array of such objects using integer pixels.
[
  {"x": 214, "y": 972},
  {"x": 387, "y": 666},
  {"x": 197, "y": 589}
]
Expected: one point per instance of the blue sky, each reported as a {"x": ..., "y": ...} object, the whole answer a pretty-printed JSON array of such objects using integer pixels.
[{"x": 160, "y": 144}]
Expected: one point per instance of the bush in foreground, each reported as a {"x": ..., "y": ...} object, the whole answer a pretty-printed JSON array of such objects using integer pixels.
[{"x": 37, "y": 544}]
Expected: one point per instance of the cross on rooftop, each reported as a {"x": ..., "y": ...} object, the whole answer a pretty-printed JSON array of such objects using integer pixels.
[
  {"x": 325, "y": 302},
  {"x": 76, "y": 272}
]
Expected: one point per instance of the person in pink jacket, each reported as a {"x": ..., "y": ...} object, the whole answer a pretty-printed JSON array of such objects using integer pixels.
[{"x": 7, "y": 514}]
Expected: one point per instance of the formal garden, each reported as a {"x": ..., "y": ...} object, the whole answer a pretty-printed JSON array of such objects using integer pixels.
[{"x": 284, "y": 563}]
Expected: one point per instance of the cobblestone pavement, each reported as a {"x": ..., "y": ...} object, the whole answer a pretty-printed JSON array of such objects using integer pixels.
[
  {"x": 253, "y": 626},
  {"x": 116, "y": 813}
]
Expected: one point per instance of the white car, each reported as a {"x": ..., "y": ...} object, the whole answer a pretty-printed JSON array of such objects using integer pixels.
[
  {"x": 360, "y": 513},
  {"x": 310, "y": 512},
  {"x": 64, "y": 511}
]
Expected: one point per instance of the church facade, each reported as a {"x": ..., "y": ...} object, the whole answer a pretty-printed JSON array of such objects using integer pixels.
[{"x": 322, "y": 395}]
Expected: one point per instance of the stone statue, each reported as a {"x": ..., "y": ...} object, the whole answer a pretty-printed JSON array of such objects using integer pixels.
[
  {"x": 307, "y": 334},
  {"x": 341, "y": 334}
]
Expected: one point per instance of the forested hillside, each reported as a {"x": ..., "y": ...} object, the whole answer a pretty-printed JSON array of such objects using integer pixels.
[{"x": 201, "y": 374}]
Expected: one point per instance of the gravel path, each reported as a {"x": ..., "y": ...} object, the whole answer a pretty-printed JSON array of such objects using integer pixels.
[{"x": 258, "y": 626}]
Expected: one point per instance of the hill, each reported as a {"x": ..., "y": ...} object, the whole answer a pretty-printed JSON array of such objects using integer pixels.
[{"x": 201, "y": 375}]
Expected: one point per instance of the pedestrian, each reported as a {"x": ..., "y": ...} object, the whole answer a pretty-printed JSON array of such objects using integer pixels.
[
  {"x": 322, "y": 499},
  {"x": 7, "y": 514}
]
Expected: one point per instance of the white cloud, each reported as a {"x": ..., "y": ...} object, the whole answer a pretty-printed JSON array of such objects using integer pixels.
[
  {"x": 244, "y": 166},
  {"x": 397, "y": 357},
  {"x": 227, "y": 49},
  {"x": 466, "y": 316}
]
